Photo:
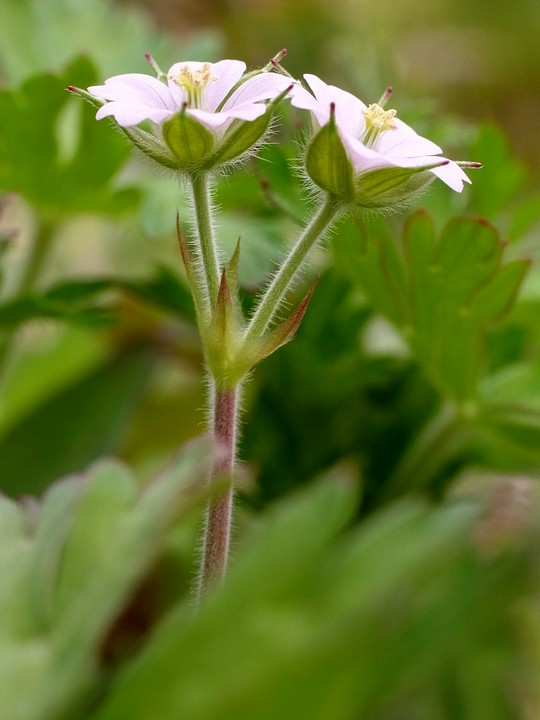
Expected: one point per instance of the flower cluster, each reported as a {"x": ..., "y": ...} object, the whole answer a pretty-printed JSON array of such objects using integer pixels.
[{"x": 205, "y": 115}]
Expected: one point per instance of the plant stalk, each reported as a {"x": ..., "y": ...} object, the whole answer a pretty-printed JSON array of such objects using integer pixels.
[
  {"x": 207, "y": 261},
  {"x": 274, "y": 294},
  {"x": 217, "y": 531}
]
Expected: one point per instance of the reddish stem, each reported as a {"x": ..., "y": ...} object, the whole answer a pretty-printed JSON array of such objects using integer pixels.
[{"x": 215, "y": 550}]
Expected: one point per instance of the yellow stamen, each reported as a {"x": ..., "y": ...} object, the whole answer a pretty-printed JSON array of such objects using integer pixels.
[
  {"x": 377, "y": 121},
  {"x": 194, "y": 81}
]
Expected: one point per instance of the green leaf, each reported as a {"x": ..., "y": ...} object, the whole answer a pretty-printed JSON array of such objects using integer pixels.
[
  {"x": 442, "y": 293},
  {"x": 71, "y": 564},
  {"x": 62, "y": 163},
  {"x": 294, "y": 632},
  {"x": 35, "y": 37},
  {"x": 68, "y": 431},
  {"x": 502, "y": 175},
  {"x": 80, "y": 301},
  {"x": 509, "y": 436}
]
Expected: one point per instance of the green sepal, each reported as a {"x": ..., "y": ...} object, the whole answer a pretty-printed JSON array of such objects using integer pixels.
[
  {"x": 239, "y": 138},
  {"x": 147, "y": 144},
  {"x": 223, "y": 336},
  {"x": 282, "y": 334},
  {"x": 393, "y": 185},
  {"x": 188, "y": 139},
  {"x": 244, "y": 134},
  {"x": 327, "y": 163}
]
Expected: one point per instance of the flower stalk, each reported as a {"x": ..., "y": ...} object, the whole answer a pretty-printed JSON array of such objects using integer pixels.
[
  {"x": 206, "y": 255},
  {"x": 272, "y": 299},
  {"x": 215, "y": 550}
]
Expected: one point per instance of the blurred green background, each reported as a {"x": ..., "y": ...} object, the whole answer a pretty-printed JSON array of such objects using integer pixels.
[
  {"x": 118, "y": 341},
  {"x": 423, "y": 609}
]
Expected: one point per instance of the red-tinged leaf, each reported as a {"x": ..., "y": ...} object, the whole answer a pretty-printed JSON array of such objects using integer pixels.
[
  {"x": 286, "y": 331},
  {"x": 184, "y": 250},
  {"x": 231, "y": 272},
  {"x": 223, "y": 318}
]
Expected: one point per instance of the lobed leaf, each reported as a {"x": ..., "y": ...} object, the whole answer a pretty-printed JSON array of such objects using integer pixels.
[
  {"x": 73, "y": 562},
  {"x": 442, "y": 293},
  {"x": 62, "y": 164}
]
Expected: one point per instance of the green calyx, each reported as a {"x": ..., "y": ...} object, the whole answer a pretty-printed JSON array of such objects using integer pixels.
[
  {"x": 392, "y": 186},
  {"x": 327, "y": 163},
  {"x": 241, "y": 136},
  {"x": 196, "y": 148},
  {"x": 189, "y": 140}
]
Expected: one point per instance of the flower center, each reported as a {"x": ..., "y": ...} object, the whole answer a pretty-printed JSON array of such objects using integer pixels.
[
  {"x": 194, "y": 82},
  {"x": 377, "y": 121}
]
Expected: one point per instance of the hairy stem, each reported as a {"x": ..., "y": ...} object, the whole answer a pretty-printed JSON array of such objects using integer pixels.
[
  {"x": 275, "y": 292},
  {"x": 207, "y": 261},
  {"x": 215, "y": 548}
]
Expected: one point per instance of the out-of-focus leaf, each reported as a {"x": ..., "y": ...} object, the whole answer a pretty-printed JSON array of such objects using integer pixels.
[
  {"x": 6, "y": 238},
  {"x": 43, "y": 361},
  {"x": 502, "y": 175},
  {"x": 79, "y": 301},
  {"x": 509, "y": 436},
  {"x": 310, "y": 627},
  {"x": 69, "y": 566},
  {"x": 441, "y": 292},
  {"x": 33, "y": 159},
  {"x": 35, "y": 36},
  {"x": 165, "y": 290},
  {"x": 81, "y": 423},
  {"x": 22, "y": 309}
]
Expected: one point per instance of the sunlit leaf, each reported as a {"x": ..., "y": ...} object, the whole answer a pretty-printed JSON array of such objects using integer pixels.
[{"x": 62, "y": 167}]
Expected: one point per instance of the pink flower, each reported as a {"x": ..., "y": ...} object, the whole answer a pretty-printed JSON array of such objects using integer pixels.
[
  {"x": 374, "y": 139},
  {"x": 204, "y": 114},
  {"x": 210, "y": 92}
]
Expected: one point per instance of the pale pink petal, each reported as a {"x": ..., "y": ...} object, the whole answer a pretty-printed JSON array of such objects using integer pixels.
[
  {"x": 127, "y": 114},
  {"x": 452, "y": 175},
  {"x": 263, "y": 86},
  {"x": 449, "y": 172},
  {"x": 404, "y": 141},
  {"x": 349, "y": 109},
  {"x": 228, "y": 73},
  {"x": 362, "y": 157},
  {"x": 304, "y": 100},
  {"x": 223, "y": 119},
  {"x": 135, "y": 88}
]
